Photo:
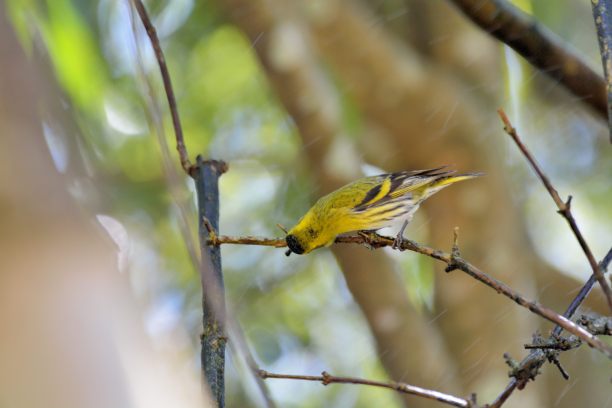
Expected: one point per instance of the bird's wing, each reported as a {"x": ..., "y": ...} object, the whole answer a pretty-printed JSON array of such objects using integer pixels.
[{"x": 396, "y": 188}]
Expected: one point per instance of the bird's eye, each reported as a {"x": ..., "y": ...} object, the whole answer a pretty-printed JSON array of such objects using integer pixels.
[{"x": 311, "y": 232}]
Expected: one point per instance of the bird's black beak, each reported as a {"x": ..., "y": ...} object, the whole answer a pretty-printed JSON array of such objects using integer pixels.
[{"x": 294, "y": 245}]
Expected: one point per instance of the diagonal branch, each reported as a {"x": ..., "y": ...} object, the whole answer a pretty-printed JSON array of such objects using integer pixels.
[
  {"x": 584, "y": 291},
  {"x": 163, "y": 68},
  {"x": 325, "y": 378},
  {"x": 543, "y": 49},
  {"x": 501, "y": 399},
  {"x": 374, "y": 240},
  {"x": 564, "y": 207},
  {"x": 536, "y": 358}
]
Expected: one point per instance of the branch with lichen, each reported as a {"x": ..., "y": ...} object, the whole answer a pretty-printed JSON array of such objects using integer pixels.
[{"x": 601, "y": 325}]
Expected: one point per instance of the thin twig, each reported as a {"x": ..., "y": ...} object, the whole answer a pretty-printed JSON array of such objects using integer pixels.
[
  {"x": 325, "y": 378},
  {"x": 539, "y": 46},
  {"x": 603, "y": 24},
  {"x": 564, "y": 207},
  {"x": 501, "y": 399},
  {"x": 161, "y": 60},
  {"x": 249, "y": 240},
  {"x": 374, "y": 240},
  {"x": 173, "y": 179},
  {"x": 537, "y": 357}
]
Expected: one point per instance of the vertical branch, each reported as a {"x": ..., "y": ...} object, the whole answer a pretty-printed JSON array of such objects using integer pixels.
[
  {"x": 217, "y": 320},
  {"x": 206, "y": 176},
  {"x": 603, "y": 24}
]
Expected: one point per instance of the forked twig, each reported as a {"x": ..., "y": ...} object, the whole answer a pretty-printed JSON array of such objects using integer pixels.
[{"x": 564, "y": 207}]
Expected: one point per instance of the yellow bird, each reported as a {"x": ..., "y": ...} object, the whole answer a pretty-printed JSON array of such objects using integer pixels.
[{"x": 369, "y": 203}]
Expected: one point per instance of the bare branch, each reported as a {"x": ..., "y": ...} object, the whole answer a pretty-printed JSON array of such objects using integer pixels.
[
  {"x": 214, "y": 336},
  {"x": 597, "y": 324},
  {"x": 325, "y": 378},
  {"x": 248, "y": 240},
  {"x": 603, "y": 24},
  {"x": 173, "y": 177},
  {"x": 584, "y": 291},
  {"x": 543, "y": 49},
  {"x": 554, "y": 343},
  {"x": 501, "y": 399},
  {"x": 218, "y": 317},
  {"x": 538, "y": 356},
  {"x": 161, "y": 60},
  {"x": 374, "y": 240},
  {"x": 564, "y": 207}
]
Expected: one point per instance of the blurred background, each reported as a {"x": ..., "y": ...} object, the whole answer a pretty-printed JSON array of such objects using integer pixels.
[{"x": 100, "y": 300}]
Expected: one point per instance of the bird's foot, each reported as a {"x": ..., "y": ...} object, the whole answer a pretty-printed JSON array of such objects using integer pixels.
[{"x": 398, "y": 242}]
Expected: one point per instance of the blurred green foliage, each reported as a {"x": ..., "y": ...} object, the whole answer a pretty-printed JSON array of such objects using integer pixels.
[
  {"x": 289, "y": 308},
  {"x": 296, "y": 312}
]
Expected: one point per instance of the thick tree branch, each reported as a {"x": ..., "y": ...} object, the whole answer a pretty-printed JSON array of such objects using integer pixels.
[
  {"x": 564, "y": 207},
  {"x": 543, "y": 49},
  {"x": 603, "y": 24},
  {"x": 325, "y": 378},
  {"x": 213, "y": 296}
]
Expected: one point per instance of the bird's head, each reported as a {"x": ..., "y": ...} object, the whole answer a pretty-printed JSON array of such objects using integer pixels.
[{"x": 307, "y": 236}]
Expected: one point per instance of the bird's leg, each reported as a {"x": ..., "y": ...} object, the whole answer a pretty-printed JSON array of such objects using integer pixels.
[{"x": 399, "y": 239}]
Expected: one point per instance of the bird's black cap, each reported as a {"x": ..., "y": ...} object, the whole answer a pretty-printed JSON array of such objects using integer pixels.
[{"x": 294, "y": 245}]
